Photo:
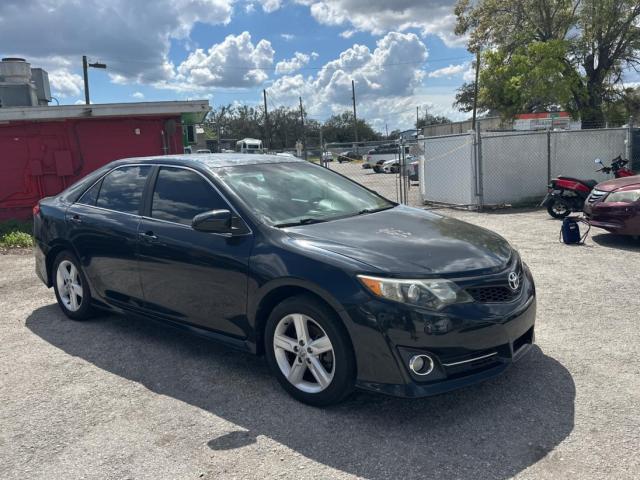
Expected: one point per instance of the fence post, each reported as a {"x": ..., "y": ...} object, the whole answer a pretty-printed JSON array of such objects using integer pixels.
[
  {"x": 548, "y": 155},
  {"x": 478, "y": 160},
  {"x": 630, "y": 141}
]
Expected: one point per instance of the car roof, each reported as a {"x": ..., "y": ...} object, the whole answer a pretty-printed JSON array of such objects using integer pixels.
[{"x": 212, "y": 160}]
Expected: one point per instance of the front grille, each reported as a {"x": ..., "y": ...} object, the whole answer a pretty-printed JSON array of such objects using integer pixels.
[
  {"x": 596, "y": 196},
  {"x": 492, "y": 294}
]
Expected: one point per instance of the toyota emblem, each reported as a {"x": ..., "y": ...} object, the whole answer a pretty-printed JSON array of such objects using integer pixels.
[{"x": 514, "y": 281}]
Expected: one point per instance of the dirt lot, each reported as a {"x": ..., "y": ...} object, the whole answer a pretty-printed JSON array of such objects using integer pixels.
[{"x": 118, "y": 398}]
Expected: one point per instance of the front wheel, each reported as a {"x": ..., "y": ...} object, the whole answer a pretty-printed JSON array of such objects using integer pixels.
[
  {"x": 309, "y": 351},
  {"x": 558, "y": 208}
]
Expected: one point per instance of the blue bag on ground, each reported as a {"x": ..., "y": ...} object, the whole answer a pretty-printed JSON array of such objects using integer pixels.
[{"x": 570, "y": 231}]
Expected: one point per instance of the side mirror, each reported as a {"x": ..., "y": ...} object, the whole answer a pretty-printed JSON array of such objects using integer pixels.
[
  {"x": 215, "y": 221},
  {"x": 598, "y": 161}
]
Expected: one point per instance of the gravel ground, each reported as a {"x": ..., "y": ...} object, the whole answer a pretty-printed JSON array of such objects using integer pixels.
[
  {"x": 384, "y": 183},
  {"x": 120, "y": 398}
]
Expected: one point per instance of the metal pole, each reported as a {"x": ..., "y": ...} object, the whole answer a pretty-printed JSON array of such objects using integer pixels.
[
  {"x": 548, "y": 155},
  {"x": 85, "y": 74},
  {"x": 304, "y": 135},
  {"x": 475, "y": 90},
  {"x": 355, "y": 117},
  {"x": 479, "y": 179},
  {"x": 630, "y": 143},
  {"x": 266, "y": 121},
  {"x": 386, "y": 129},
  {"x": 417, "y": 117},
  {"x": 323, "y": 162}
]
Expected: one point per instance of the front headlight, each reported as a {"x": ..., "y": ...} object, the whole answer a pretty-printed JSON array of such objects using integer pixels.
[
  {"x": 434, "y": 293},
  {"x": 626, "y": 196}
]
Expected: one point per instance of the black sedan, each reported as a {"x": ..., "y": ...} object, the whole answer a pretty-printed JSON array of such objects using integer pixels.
[{"x": 336, "y": 285}]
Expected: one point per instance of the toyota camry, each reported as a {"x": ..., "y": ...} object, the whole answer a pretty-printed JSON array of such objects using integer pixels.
[{"x": 337, "y": 286}]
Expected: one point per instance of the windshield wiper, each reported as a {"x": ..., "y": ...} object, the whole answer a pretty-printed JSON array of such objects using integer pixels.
[
  {"x": 374, "y": 210},
  {"x": 302, "y": 221}
]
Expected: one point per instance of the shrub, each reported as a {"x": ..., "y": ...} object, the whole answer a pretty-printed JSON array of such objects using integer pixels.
[{"x": 16, "y": 239}]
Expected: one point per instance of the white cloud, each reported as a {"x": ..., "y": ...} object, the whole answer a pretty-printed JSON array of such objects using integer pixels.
[
  {"x": 249, "y": 8},
  {"x": 236, "y": 62},
  {"x": 434, "y": 17},
  {"x": 138, "y": 95},
  {"x": 450, "y": 71},
  {"x": 65, "y": 83},
  {"x": 132, "y": 38},
  {"x": 291, "y": 65},
  {"x": 383, "y": 77},
  {"x": 287, "y": 36},
  {"x": 470, "y": 73},
  {"x": 347, "y": 33},
  {"x": 270, "y": 6}
]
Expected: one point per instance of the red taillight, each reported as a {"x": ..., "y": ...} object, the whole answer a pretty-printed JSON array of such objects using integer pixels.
[{"x": 36, "y": 209}]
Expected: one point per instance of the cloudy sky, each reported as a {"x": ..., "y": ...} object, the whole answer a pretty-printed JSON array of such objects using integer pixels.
[{"x": 401, "y": 53}]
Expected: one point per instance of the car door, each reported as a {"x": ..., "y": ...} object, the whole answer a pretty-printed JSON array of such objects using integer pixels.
[
  {"x": 102, "y": 226},
  {"x": 190, "y": 276}
]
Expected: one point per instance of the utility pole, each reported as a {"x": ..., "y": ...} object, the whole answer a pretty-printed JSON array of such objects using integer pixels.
[
  {"x": 417, "y": 118},
  {"x": 85, "y": 73},
  {"x": 386, "y": 129},
  {"x": 86, "y": 79},
  {"x": 304, "y": 135},
  {"x": 355, "y": 117},
  {"x": 219, "y": 128},
  {"x": 266, "y": 121},
  {"x": 475, "y": 90}
]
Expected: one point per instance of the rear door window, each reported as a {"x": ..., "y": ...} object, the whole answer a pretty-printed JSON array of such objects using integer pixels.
[{"x": 122, "y": 189}]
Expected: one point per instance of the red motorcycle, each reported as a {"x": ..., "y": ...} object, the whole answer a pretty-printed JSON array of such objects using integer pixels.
[{"x": 568, "y": 194}]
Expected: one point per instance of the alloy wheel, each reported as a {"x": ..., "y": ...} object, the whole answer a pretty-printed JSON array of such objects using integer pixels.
[
  {"x": 69, "y": 285},
  {"x": 304, "y": 353}
]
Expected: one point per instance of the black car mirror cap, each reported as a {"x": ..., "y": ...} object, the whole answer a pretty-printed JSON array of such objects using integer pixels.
[{"x": 214, "y": 221}]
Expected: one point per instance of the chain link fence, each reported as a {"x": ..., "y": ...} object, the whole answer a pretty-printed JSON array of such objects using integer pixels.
[
  {"x": 497, "y": 168},
  {"x": 390, "y": 168}
]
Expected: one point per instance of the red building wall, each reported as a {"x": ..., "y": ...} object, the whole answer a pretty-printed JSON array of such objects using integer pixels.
[{"x": 38, "y": 159}]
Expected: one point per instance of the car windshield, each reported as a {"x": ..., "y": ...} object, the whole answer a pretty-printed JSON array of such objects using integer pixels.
[{"x": 286, "y": 194}]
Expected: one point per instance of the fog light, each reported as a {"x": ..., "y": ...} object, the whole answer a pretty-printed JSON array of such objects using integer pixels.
[{"x": 421, "y": 364}]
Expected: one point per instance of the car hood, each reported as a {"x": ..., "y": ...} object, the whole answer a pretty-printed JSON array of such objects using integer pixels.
[
  {"x": 611, "y": 185},
  {"x": 405, "y": 240}
]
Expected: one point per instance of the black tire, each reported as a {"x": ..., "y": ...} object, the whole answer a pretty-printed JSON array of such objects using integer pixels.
[
  {"x": 558, "y": 208},
  {"x": 343, "y": 381},
  {"x": 84, "y": 311}
]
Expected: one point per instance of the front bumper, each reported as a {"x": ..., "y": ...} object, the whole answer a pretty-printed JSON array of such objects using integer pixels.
[
  {"x": 469, "y": 344},
  {"x": 618, "y": 218}
]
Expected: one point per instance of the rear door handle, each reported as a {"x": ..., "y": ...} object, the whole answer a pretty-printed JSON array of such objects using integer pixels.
[
  {"x": 76, "y": 219},
  {"x": 149, "y": 236}
]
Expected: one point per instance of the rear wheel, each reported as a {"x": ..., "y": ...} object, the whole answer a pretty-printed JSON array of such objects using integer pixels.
[
  {"x": 309, "y": 351},
  {"x": 558, "y": 208},
  {"x": 71, "y": 287}
]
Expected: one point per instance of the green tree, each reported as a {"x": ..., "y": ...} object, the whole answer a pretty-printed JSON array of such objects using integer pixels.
[
  {"x": 339, "y": 128},
  {"x": 578, "y": 48},
  {"x": 429, "y": 119}
]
